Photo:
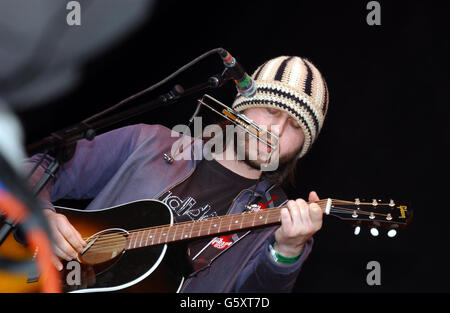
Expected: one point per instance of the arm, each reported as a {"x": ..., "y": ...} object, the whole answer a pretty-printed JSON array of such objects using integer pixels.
[
  {"x": 264, "y": 274},
  {"x": 91, "y": 167}
]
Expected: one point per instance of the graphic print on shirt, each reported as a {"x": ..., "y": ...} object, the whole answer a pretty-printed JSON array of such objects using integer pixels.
[
  {"x": 186, "y": 207},
  {"x": 223, "y": 242}
]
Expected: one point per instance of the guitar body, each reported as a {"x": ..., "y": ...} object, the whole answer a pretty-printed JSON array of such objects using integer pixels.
[{"x": 118, "y": 269}]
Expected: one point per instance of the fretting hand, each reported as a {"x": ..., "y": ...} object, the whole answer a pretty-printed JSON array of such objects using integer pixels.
[{"x": 299, "y": 221}]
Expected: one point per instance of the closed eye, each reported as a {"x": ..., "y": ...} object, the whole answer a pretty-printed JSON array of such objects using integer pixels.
[
  {"x": 272, "y": 111},
  {"x": 295, "y": 124}
]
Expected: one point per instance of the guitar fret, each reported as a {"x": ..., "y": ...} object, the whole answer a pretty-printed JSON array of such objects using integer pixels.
[
  {"x": 159, "y": 237},
  {"x": 151, "y": 236},
  {"x": 127, "y": 247},
  {"x": 136, "y": 237},
  {"x": 211, "y": 222},
  {"x": 185, "y": 235},
  {"x": 164, "y": 234},
  {"x": 142, "y": 237},
  {"x": 200, "y": 228},
  {"x": 191, "y": 226},
  {"x": 208, "y": 227},
  {"x": 146, "y": 237},
  {"x": 214, "y": 224},
  {"x": 269, "y": 218},
  {"x": 182, "y": 233},
  {"x": 220, "y": 225},
  {"x": 174, "y": 228},
  {"x": 135, "y": 240},
  {"x": 190, "y": 233},
  {"x": 232, "y": 223},
  {"x": 130, "y": 239},
  {"x": 254, "y": 218}
]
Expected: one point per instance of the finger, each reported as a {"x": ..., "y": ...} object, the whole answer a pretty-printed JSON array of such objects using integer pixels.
[
  {"x": 81, "y": 242},
  {"x": 57, "y": 263},
  {"x": 58, "y": 241},
  {"x": 302, "y": 211},
  {"x": 313, "y": 196},
  {"x": 316, "y": 213},
  {"x": 294, "y": 213},
  {"x": 71, "y": 238},
  {"x": 61, "y": 254},
  {"x": 69, "y": 252},
  {"x": 286, "y": 220}
]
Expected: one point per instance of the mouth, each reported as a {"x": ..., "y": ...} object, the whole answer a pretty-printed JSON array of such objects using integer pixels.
[{"x": 263, "y": 152}]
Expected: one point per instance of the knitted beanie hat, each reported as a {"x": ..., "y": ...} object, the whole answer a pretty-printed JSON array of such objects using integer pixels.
[{"x": 294, "y": 85}]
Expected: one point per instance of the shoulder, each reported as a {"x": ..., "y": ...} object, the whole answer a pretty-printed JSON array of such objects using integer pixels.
[{"x": 147, "y": 131}]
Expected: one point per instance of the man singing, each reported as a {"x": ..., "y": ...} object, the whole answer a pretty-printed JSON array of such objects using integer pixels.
[{"x": 127, "y": 164}]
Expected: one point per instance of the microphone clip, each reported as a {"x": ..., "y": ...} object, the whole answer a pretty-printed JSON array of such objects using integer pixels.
[{"x": 234, "y": 71}]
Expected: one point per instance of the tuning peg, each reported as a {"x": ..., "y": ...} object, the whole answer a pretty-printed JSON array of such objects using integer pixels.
[
  {"x": 392, "y": 233},
  {"x": 374, "y": 231},
  {"x": 357, "y": 230}
]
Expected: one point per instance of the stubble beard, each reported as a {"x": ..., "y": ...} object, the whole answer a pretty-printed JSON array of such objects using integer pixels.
[{"x": 260, "y": 159}]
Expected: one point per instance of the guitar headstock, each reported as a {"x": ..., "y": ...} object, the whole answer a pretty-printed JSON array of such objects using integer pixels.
[{"x": 373, "y": 213}]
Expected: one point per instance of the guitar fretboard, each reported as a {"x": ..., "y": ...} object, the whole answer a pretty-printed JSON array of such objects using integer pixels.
[
  {"x": 206, "y": 227},
  {"x": 201, "y": 228}
]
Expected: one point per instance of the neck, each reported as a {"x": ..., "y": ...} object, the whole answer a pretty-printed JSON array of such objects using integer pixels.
[
  {"x": 210, "y": 226},
  {"x": 229, "y": 160}
]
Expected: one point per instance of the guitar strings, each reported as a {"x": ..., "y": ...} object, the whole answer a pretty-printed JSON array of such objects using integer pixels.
[
  {"x": 113, "y": 241},
  {"x": 324, "y": 201},
  {"x": 105, "y": 237},
  {"x": 218, "y": 218},
  {"x": 320, "y": 202},
  {"x": 106, "y": 242},
  {"x": 106, "y": 246}
]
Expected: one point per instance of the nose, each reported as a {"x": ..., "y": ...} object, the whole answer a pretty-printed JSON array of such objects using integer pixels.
[{"x": 279, "y": 125}]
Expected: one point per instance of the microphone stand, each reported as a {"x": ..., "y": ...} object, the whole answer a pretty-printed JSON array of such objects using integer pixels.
[{"x": 63, "y": 143}]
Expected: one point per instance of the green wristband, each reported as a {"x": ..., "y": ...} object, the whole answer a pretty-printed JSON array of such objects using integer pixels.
[{"x": 281, "y": 258}]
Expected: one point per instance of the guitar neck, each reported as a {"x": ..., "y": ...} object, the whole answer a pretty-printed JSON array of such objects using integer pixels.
[{"x": 210, "y": 226}]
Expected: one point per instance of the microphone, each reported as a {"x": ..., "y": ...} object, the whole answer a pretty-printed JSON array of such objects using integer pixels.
[{"x": 244, "y": 83}]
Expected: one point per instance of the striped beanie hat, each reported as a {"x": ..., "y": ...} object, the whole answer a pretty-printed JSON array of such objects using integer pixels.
[{"x": 294, "y": 85}]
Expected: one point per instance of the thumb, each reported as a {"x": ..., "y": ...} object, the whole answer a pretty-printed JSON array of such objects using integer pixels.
[{"x": 313, "y": 196}]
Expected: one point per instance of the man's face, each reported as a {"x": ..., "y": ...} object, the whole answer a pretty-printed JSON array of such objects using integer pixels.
[{"x": 280, "y": 123}]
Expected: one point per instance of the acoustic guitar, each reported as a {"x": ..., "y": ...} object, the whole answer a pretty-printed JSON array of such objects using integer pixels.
[{"x": 127, "y": 244}]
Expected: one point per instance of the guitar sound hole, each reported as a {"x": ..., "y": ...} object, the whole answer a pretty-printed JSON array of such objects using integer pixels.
[{"x": 104, "y": 246}]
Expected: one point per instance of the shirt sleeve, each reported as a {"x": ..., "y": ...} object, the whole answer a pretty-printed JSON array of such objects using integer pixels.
[
  {"x": 89, "y": 170},
  {"x": 263, "y": 274}
]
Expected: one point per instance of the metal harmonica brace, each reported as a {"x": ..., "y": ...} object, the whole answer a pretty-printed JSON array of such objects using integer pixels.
[{"x": 241, "y": 121}]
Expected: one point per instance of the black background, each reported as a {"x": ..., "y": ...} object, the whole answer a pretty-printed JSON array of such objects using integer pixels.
[{"x": 384, "y": 136}]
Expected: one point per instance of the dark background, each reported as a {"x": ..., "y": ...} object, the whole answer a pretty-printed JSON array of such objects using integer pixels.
[{"x": 384, "y": 135}]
